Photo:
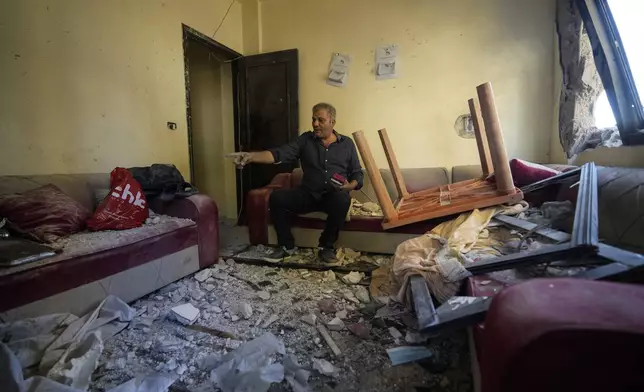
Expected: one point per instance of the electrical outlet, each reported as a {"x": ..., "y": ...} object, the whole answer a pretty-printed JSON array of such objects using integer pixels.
[{"x": 172, "y": 126}]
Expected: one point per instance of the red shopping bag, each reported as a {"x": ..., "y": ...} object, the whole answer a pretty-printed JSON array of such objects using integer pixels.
[{"x": 125, "y": 207}]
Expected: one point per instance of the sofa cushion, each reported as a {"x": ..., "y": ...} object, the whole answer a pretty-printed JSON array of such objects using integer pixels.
[
  {"x": 44, "y": 214},
  {"x": 87, "y": 257}
]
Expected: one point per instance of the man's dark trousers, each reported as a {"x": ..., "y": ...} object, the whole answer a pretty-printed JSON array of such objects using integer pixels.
[{"x": 284, "y": 202}]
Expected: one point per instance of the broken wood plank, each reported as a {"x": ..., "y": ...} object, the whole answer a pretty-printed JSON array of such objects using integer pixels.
[
  {"x": 554, "y": 235},
  {"x": 393, "y": 164},
  {"x": 329, "y": 341},
  {"x": 502, "y": 173},
  {"x": 374, "y": 176},
  {"x": 481, "y": 138}
]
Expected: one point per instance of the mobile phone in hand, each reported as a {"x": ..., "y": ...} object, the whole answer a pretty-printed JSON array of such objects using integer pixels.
[{"x": 338, "y": 180}]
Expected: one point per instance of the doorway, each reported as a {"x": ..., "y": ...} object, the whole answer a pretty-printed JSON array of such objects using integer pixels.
[{"x": 210, "y": 101}]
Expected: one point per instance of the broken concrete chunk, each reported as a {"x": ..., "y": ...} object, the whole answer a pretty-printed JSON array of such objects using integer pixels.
[
  {"x": 220, "y": 275},
  {"x": 415, "y": 338},
  {"x": 327, "y": 305},
  {"x": 353, "y": 277},
  {"x": 245, "y": 310},
  {"x": 351, "y": 254},
  {"x": 216, "y": 309},
  {"x": 230, "y": 262},
  {"x": 265, "y": 295},
  {"x": 209, "y": 287},
  {"x": 197, "y": 295},
  {"x": 182, "y": 369},
  {"x": 349, "y": 296},
  {"x": 395, "y": 333},
  {"x": 335, "y": 325},
  {"x": 202, "y": 275},
  {"x": 171, "y": 364},
  {"x": 341, "y": 314},
  {"x": 185, "y": 314},
  {"x": 234, "y": 317},
  {"x": 310, "y": 319},
  {"x": 328, "y": 276},
  {"x": 270, "y": 321},
  {"x": 360, "y": 330},
  {"x": 325, "y": 367},
  {"x": 362, "y": 294}
]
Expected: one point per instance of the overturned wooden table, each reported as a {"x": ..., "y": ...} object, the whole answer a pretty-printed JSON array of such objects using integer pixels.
[{"x": 452, "y": 198}]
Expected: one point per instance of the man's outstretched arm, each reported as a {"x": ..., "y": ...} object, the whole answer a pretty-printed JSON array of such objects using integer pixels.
[{"x": 286, "y": 153}]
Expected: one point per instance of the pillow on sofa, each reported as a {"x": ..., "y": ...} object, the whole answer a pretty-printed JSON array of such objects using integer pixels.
[
  {"x": 44, "y": 214},
  {"x": 526, "y": 173}
]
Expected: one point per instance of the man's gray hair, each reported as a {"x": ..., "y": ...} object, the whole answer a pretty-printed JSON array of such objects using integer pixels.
[{"x": 325, "y": 106}]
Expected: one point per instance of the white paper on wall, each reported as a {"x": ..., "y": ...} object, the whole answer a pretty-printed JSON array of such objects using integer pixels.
[
  {"x": 339, "y": 70},
  {"x": 386, "y": 62}
]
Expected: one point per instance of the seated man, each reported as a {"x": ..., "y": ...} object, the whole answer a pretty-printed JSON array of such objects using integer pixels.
[{"x": 322, "y": 153}]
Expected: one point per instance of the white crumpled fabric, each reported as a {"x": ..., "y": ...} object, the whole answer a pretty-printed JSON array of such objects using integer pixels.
[
  {"x": 62, "y": 347},
  {"x": 250, "y": 368}
]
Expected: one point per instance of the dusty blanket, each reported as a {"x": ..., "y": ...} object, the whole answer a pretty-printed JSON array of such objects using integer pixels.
[{"x": 438, "y": 256}]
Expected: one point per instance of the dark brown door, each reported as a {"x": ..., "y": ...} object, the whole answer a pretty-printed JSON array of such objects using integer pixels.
[{"x": 267, "y": 111}]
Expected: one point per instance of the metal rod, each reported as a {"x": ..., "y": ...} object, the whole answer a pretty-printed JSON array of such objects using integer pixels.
[{"x": 585, "y": 231}]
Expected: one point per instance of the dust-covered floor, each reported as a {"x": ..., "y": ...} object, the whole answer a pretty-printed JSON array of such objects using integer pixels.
[{"x": 229, "y": 301}]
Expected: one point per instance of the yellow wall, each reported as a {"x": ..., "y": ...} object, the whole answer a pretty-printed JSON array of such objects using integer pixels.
[
  {"x": 447, "y": 48},
  {"x": 89, "y": 85}
]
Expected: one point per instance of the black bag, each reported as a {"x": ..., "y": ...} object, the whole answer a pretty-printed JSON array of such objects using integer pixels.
[{"x": 162, "y": 181}]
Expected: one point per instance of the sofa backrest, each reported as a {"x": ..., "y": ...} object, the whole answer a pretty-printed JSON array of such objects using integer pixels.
[{"x": 80, "y": 187}]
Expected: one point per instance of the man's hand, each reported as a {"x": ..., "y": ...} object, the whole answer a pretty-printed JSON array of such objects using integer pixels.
[
  {"x": 348, "y": 186},
  {"x": 241, "y": 159}
]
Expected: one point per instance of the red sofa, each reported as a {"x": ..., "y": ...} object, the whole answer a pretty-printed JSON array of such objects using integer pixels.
[
  {"x": 259, "y": 224},
  {"x": 129, "y": 264},
  {"x": 563, "y": 335}
]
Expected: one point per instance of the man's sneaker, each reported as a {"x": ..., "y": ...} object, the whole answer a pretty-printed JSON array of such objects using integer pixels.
[
  {"x": 276, "y": 255},
  {"x": 327, "y": 255}
]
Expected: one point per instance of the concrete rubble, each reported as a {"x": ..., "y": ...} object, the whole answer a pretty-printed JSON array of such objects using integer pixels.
[{"x": 352, "y": 355}]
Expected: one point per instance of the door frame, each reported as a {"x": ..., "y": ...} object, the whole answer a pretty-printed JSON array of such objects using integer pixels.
[{"x": 226, "y": 54}]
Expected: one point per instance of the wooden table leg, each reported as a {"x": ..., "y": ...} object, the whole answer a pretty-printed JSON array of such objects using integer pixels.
[
  {"x": 393, "y": 164},
  {"x": 375, "y": 177},
  {"x": 481, "y": 138},
  {"x": 502, "y": 173}
]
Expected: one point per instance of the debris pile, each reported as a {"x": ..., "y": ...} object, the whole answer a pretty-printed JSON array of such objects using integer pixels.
[
  {"x": 365, "y": 209},
  {"x": 303, "y": 330}
]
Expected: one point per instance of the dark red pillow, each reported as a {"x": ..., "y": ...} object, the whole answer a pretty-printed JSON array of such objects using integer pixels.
[
  {"x": 526, "y": 173},
  {"x": 44, "y": 214}
]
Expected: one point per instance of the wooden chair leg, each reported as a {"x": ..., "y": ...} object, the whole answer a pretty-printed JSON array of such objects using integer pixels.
[
  {"x": 502, "y": 173},
  {"x": 481, "y": 138},
  {"x": 375, "y": 177},
  {"x": 393, "y": 164}
]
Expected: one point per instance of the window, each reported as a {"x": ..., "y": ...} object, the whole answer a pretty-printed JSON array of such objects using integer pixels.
[
  {"x": 614, "y": 30},
  {"x": 627, "y": 15}
]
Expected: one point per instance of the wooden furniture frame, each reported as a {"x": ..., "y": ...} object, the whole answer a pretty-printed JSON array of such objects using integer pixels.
[{"x": 452, "y": 198}]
